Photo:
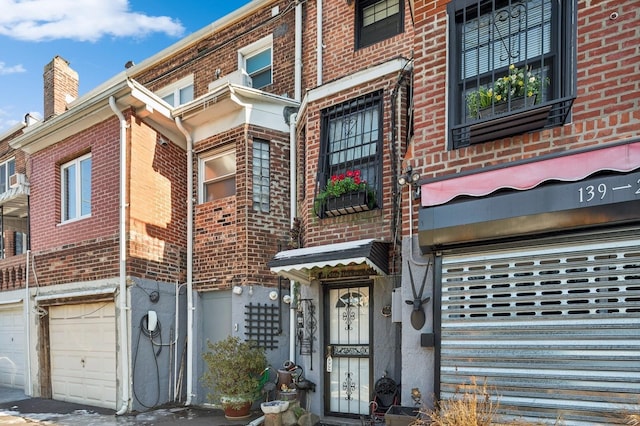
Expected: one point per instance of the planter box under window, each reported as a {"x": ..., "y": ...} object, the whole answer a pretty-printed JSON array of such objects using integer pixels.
[
  {"x": 510, "y": 123},
  {"x": 354, "y": 202}
]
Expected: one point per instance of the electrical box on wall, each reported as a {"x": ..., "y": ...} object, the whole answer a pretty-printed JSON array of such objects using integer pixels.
[{"x": 396, "y": 305}]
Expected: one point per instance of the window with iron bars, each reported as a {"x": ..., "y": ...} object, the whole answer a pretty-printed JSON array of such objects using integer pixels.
[
  {"x": 511, "y": 57},
  {"x": 351, "y": 135}
]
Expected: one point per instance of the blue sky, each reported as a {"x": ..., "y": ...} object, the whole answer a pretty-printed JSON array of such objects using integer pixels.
[{"x": 97, "y": 37}]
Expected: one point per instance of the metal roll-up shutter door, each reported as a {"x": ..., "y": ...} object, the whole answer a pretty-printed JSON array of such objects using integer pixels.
[{"x": 552, "y": 327}]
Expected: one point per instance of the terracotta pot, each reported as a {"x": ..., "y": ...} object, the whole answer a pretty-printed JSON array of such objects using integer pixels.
[{"x": 236, "y": 413}]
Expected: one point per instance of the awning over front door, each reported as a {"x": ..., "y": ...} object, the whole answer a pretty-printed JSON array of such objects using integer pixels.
[{"x": 298, "y": 264}]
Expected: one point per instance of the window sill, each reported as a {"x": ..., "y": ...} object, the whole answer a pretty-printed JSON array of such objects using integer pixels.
[{"x": 537, "y": 117}]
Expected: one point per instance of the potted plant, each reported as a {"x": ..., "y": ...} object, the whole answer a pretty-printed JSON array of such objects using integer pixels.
[
  {"x": 233, "y": 371},
  {"x": 345, "y": 193},
  {"x": 519, "y": 88}
]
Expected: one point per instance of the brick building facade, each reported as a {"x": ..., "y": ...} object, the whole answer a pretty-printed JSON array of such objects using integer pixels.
[{"x": 479, "y": 241}]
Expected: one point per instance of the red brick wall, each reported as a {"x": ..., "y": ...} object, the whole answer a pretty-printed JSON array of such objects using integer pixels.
[
  {"x": 88, "y": 249},
  {"x": 157, "y": 213},
  {"x": 606, "y": 109},
  {"x": 220, "y": 51},
  {"x": 378, "y": 223},
  {"x": 102, "y": 141},
  {"x": 340, "y": 58},
  {"x": 232, "y": 242}
]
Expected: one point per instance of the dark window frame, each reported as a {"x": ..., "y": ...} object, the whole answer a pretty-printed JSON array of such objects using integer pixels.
[
  {"x": 380, "y": 30},
  {"x": 369, "y": 165},
  {"x": 556, "y": 67}
]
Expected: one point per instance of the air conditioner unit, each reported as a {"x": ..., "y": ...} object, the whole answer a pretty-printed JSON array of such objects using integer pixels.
[
  {"x": 239, "y": 77},
  {"x": 17, "y": 179}
]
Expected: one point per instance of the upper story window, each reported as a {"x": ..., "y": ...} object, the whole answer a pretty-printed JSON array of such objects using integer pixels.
[
  {"x": 218, "y": 175},
  {"x": 511, "y": 58},
  {"x": 377, "y": 20},
  {"x": 76, "y": 188},
  {"x": 7, "y": 169},
  {"x": 178, "y": 93},
  {"x": 257, "y": 61},
  {"x": 261, "y": 178},
  {"x": 351, "y": 136}
]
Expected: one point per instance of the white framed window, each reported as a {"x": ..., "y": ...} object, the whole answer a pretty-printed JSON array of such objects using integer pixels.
[
  {"x": 178, "y": 93},
  {"x": 218, "y": 176},
  {"x": 256, "y": 60},
  {"x": 6, "y": 169},
  {"x": 76, "y": 188}
]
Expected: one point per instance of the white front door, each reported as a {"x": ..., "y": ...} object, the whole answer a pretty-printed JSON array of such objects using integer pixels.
[{"x": 348, "y": 352}]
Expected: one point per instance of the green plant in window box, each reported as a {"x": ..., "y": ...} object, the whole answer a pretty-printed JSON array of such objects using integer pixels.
[
  {"x": 343, "y": 184},
  {"x": 519, "y": 85}
]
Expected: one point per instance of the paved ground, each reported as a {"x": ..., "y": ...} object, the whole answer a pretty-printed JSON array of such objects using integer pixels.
[{"x": 18, "y": 409}]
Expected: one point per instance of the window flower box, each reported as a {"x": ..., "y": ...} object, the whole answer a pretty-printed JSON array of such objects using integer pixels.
[
  {"x": 349, "y": 203},
  {"x": 344, "y": 194}
]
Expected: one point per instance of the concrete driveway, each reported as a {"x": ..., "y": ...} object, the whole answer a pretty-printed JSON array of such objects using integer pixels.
[{"x": 18, "y": 409}]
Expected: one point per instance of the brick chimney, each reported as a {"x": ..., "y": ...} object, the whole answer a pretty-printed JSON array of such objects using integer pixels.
[{"x": 60, "y": 87}]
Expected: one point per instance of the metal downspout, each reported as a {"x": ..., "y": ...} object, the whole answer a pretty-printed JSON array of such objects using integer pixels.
[
  {"x": 124, "y": 346},
  {"x": 297, "y": 71},
  {"x": 27, "y": 310},
  {"x": 319, "y": 45},
  {"x": 292, "y": 167},
  {"x": 294, "y": 207},
  {"x": 190, "y": 307}
]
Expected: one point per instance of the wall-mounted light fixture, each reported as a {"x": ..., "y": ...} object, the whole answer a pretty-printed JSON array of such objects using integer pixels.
[
  {"x": 237, "y": 290},
  {"x": 409, "y": 178}
]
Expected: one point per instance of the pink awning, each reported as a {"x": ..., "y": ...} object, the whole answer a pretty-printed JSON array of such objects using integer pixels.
[{"x": 568, "y": 168}]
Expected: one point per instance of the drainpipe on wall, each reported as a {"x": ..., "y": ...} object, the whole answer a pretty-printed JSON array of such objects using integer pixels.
[
  {"x": 27, "y": 317},
  {"x": 190, "y": 307},
  {"x": 294, "y": 208},
  {"x": 319, "y": 45},
  {"x": 297, "y": 72},
  {"x": 124, "y": 346},
  {"x": 292, "y": 166}
]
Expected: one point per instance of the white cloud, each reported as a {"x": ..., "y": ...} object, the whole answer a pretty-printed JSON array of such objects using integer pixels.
[
  {"x": 4, "y": 69},
  {"x": 80, "y": 20},
  {"x": 5, "y": 121}
]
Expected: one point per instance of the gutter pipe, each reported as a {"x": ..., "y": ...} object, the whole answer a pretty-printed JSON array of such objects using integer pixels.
[
  {"x": 27, "y": 310},
  {"x": 190, "y": 306},
  {"x": 124, "y": 346},
  {"x": 292, "y": 166},
  {"x": 294, "y": 208},
  {"x": 297, "y": 72},
  {"x": 319, "y": 45}
]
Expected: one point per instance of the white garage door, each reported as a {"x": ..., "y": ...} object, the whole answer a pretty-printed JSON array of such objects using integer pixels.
[
  {"x": 12, "y": 346},
  {"x": 83, "y": 353},
  {"x": 553, "y": 327}
]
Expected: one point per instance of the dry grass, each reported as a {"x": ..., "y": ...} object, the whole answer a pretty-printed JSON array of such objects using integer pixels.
[
  {"x": 471, "y": 405},
  {"x": 632, "y": 419}
]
